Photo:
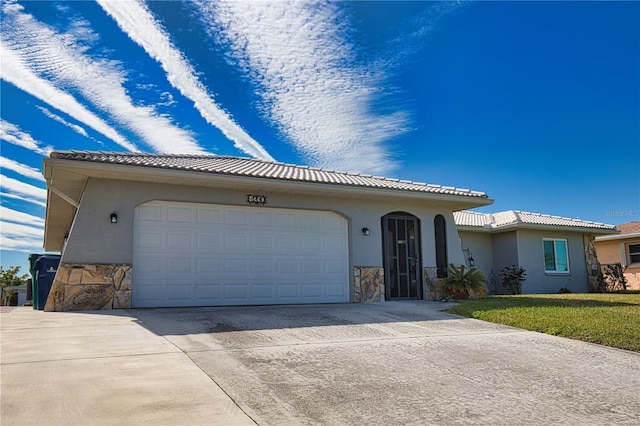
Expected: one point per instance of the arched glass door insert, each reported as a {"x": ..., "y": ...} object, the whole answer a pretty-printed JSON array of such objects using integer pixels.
[{"x": 402, "y": 261}]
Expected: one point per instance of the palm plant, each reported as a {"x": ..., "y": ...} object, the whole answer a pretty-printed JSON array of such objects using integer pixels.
[{"x": 463, "y": 283}]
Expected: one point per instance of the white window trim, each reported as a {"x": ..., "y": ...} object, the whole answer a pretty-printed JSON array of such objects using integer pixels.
[
  {"x": 627, "y": 253},
  {"x": 566, "y": 245}
]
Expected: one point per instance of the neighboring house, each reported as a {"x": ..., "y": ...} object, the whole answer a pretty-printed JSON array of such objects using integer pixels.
[
  {"x": 555, "y": 252},
  {"x": 141, "y": 230},
  {"x": 624, "y": 249}
]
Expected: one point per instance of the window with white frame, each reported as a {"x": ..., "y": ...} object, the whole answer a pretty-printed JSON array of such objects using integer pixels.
[
  {"x": 633, "y": 252},
  {"x": 556, "y": 256}
]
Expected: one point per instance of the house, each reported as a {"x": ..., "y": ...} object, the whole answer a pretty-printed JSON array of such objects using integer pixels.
[
  {"x": 624, "y": 249},
  {"x": 555, "y": 252},
  {"x": 153, "y": 230}
]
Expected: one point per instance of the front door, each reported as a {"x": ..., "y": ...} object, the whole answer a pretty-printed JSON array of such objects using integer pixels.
[{"x": 401, "y": 240}]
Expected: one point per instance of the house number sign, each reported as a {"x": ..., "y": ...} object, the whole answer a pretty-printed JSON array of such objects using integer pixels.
[{"x": 256, "y": 200}]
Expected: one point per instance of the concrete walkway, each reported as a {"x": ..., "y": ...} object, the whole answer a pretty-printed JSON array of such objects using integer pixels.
[
  {"x": 392, "y": 363},
  {"x": 101, "y": 368}
]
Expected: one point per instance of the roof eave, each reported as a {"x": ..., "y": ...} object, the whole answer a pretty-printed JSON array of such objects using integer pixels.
[
  {"x": 618, "y": 237},
  {"x": 189, "y": 177},
  {"x": 538, "y": 227}
]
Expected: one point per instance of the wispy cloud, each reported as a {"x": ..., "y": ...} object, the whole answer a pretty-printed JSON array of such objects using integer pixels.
[
  {"x": 78, "y": 129},
  {"x": 61, "y": 58},
  {"x": 13, "y": 134},
  {"x": 299, "y": 56},
  {"x": 22, "y": 190},
  {"x": 23, "y": 169},
  {"x": 9, "y": 215},
  {"x": 413, "y": 35},
  {"x": 20, "y": 197},
  {"x": 138, "y": 23},
  {"x": 20, "y": 237},
  {"x": 14, "y": 71}
]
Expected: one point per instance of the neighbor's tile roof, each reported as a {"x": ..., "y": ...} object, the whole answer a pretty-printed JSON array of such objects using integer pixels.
[
  {"x": 514, "y": 217},
  {"x": 629, "y": 228},
  {"x": 236, "y": 166}
]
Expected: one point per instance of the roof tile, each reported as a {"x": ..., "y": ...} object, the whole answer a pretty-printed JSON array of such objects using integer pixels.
[
  {"x": 237, "y": 166},
  {"x": 511, "y": 217}
]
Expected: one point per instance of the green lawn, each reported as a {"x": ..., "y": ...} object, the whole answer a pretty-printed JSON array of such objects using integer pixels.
[{"x": 611, "y": 319}]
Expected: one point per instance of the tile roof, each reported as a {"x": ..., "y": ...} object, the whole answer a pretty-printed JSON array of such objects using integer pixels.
[
  {"x": 629, "y": 228},
  {"x": 500, "y": 220},
  {"x": 236, "y": 166}
]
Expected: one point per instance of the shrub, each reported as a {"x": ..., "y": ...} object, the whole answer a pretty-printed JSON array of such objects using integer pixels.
[
  {"x": 613, "y": 278},
  {"x": 512, "y": 278},
  {"x": 463, "y": 283}
]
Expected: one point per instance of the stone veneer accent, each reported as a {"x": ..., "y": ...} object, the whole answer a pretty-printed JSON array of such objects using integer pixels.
[
  {"x": 368, "y": 284},
  {"x": 81, "y": 287},
  {"x": 430, "y": 283},
  {"x": 591, "y": 260}
]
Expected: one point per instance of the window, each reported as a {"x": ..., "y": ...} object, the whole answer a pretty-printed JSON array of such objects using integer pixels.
[
  {"x": 634, "y": 253},
  {"x": 440, "y": 227},
  {"x": 556, "y": 258}
]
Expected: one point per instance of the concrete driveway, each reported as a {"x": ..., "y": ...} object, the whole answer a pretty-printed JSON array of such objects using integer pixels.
[{"x": 379, "y": 364}]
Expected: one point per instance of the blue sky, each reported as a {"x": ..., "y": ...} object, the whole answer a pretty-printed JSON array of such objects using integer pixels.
[{"x": 535, "y": 103}]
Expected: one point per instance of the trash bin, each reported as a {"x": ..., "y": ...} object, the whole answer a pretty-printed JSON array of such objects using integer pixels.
[
  {"x": 33, "y": 257},
  {"x": 46, "y": 267}
]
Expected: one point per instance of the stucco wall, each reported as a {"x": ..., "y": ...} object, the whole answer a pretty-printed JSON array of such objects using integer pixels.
[
  {"x": 93, "y": 239},
  {"x": 531, "y": 257},
  {"x": 504, "y": 246},
  {"x": 481, "y": 247},
  {"x": 611, "y": 251}
]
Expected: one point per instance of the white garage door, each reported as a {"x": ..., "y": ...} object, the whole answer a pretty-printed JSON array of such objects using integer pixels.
[{"x": 207, "y": 255}]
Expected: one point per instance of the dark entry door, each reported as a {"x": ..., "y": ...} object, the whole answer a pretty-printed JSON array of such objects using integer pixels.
[{"x": 401, "y": 240}]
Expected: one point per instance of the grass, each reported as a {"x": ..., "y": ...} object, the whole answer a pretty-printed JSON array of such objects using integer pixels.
[{"x": 611, "y": 319}]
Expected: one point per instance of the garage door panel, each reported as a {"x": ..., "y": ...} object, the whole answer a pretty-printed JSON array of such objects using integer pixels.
[
  {"x": 287, "y": 242},
  {"x": 151, "y": 293},
  {"x": 312, "y": 290},
  {"x": 149, "y": 265},
  {"x": 286, "y": 220},
  {"x": 150, "y": 213},
  {"x": 179, "y": 240},
  {"x": 208, "y": 241},
  {"x": 313, "y": 244},
  {"x": 287, "y": 291},
  {"x": 229, "y": 255},
  {"x": 180, "y": 214},
  {"x": 335, "y": 290},
  {"x": 287, "y": 266},
  {"x": 262, "y": 242},
  {"x": 236, "y": 267},
  {"x": 209, "y": 293},
  {"x": 179, "y": 293},
  {"x": 333, "y": 244},
  {"x": 265, "y": 292},
  {"x": 207, "y": 266},
  {"x": 262, "y": 219},
  {"x": 236, "y": 242},
  {"x": 208, "y": 215},
  {"x": 149, "y": 239},
  {"x": 262, "y": 266},
  {"x": 236, "y": 217},
  {"x": 238, "y": 292}
]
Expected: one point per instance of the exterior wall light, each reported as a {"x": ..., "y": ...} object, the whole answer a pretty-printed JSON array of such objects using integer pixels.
[
  {"x": 366, "y": 231},
  {"x": 114, "y": 218},
  {"x": 472, "y": 262}
]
